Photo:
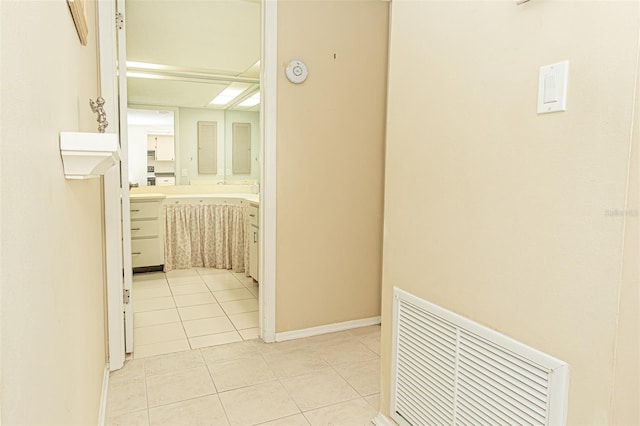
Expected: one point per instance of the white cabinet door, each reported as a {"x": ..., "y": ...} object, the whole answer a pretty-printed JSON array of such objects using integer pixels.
[{"x": 164, "y": 147}]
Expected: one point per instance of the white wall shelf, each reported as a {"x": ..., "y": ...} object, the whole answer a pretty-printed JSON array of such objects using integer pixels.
[{"x": 87, "y": 155}]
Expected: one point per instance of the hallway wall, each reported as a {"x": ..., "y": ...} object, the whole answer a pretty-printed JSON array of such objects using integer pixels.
[
  {"x": 52, "y": 294},
  {"x": 330, "y": 161},
  {"x": 522, "y": 222}
]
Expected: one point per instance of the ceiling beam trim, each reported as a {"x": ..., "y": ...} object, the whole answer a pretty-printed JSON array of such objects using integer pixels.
[{"x": 166, "y": 72}]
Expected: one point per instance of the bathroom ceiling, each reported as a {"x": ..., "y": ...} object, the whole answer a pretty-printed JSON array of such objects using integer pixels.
[{"x": 184, "y": 52}]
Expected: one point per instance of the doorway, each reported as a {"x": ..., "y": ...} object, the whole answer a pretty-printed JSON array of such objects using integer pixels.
[
  {"x": 193, "y": 78},
  {"x": 267, "y": 78}
]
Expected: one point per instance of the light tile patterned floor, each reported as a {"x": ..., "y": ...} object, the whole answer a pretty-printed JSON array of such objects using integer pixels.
[
  {"x": 194, "y": 308},
  {"x": 331, "y": 379}
]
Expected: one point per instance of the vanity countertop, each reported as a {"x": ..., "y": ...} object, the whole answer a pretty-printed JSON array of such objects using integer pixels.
[
  {"x": 149, "y": 196},
  {"x": 253, "y": 198}
]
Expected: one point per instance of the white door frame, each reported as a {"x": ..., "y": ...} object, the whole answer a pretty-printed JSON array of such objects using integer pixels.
[
  {"x": 124, "y": 174},
  {"x": 108, "y": 54},
  {"x": 268, "y": 125},
  {"x": 112, "y": 209},
  {"x": 116, "y": 200}
]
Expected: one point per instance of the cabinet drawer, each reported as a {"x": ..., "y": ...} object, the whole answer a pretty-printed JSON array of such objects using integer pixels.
[
  {"x": 165, "y": 181},
  {"x": 252, "y": 215},
  {"x": 145, "y": 228},
  {"x": 147, "y": 252},
  {"x": 145, "y": 210}
]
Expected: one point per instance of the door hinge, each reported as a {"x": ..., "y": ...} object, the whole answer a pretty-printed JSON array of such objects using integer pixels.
[
  {"x": 125, "y": 296},
  {"x": 119, "y": 20}
]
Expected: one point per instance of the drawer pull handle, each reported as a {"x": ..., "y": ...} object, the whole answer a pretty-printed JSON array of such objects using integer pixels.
[
  {"x": 255, "y": 237},
  {"x": 136, "y": 253},
  {"x": 135, "y": 229},
  {"x": 135, "y": 211}
]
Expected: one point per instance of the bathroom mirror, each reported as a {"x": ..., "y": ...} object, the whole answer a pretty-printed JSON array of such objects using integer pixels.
[{"x": 196, "y": 62}]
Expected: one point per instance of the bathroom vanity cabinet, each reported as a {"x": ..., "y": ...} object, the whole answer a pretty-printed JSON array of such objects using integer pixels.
[{"x": 147, "y": 238}]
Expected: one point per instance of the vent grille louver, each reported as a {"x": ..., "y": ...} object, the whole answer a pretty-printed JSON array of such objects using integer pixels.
[{"x": 448, "y": 370}]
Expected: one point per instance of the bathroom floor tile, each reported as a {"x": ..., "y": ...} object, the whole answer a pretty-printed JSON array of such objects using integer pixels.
[
  {"x": 189, "y": 289},
  {"x": 250, "y": 333},
  {"x": 126, "y": 395},
  {"x": 200, "y": 311},
  {"x": 153, "y": 304},
  {"x": 222, "y": 282},
  {"x": 204, "y": 326},
  {"x": 251, "y": 286},
  {"x": 363, "y": 376},
  {"x": 181, "y": 273},
  {"x": 180, "y": 281},
  {"x": 255, "y": 291},
  {"x": 319, "y": 389},
  {"x": 194, "y": 299},
  {"x": 246, "y": 281},
  {"x": 296, "y": 420},
  {"x": 136, "y": 418},
  {"x": 346, "y": 352},
  {"x": 132, "y": 369},
  {"x": 139, "y": 285},
  {"x": 372, "y": 342},
  {"x": 143, "y": 351},
  {"x": 162, "y": 316},
  {"x": 240, "y": 306},
  {"x": 193, "y": 377},
  {"x": 158, "y": 333},
  {"x": 173, "y": 362},
  {"x": 211, "y": 271},
  {"x": 293, "y": 363},
  {"x": 258, "y": 403},
  {"x": 214, "y": 339},
  {"x": 226, "y": 295},
  {"x": 233, "y": 374},
  {"x": 374, "y": 401},
  {"x": 297, "y": 382},
  {"x": 230, "y": 352},
  {"x": 206, "y": 410},
  {"x": 151, "y": 292},
  {"x": 283, "y": 347},
  {"x": 245, "y": 320},
  {"x": 354, "y": 413},
  {"x": 149, "y": 276},
  {"x": 178, "y": 386}
]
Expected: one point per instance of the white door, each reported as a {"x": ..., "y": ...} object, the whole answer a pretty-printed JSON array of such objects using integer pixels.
[
  {"x": 116, "y": 187},
  {"x": 124, "y": 175}
]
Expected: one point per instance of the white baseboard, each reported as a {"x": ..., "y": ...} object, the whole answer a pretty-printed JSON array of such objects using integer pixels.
[
  {"x": 102, "y": 415},
  {"x": 382, "y": 420},
  {"x": 324, "y": 329}
]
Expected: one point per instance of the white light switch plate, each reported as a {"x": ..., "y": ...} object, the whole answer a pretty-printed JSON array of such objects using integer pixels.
[{"x": 552, "y": 87}]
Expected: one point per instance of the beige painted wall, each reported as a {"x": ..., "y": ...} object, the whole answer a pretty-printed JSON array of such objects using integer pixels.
[
  {"x": 53, "y": 326},
  {"x": 330, "y": 160},
  {"x": 503, "y": 215},
  {"x": 626, "y": 389}
]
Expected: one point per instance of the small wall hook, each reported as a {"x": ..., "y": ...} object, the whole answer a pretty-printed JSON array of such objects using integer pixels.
[{"x": 97, "y": 106}]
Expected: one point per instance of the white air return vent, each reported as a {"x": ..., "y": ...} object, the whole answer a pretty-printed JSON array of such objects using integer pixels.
[{"x": 448, "y": 370}]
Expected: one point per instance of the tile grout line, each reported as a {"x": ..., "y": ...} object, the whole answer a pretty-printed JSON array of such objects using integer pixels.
[{"x": 206, "y": 364}]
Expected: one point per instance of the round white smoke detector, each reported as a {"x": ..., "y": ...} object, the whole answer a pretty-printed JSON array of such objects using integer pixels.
[{"x": 296, "y": 72}]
